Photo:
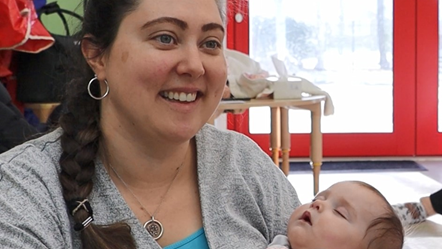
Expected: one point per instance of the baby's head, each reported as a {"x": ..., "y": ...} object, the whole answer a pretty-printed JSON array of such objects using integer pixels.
[{"x": 348, "y": 215}]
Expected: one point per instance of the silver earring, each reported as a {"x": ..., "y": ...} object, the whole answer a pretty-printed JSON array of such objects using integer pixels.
[{"x": 89, "y": 89}]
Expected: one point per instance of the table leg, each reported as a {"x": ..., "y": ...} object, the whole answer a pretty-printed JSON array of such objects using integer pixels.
[
  {"x": 285, "y": 140},
  {"x": 275, "y": 134},
  {"x": 316, "y": 145}
]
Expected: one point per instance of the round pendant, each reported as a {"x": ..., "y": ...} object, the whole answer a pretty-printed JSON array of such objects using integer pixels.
[{"x": 154, "y": 228}]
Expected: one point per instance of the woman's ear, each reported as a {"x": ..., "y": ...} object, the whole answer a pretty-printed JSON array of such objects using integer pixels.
[{"x": 94, "y": 56}]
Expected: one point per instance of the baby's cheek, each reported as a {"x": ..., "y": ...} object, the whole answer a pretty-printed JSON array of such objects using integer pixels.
[
  {"x": 339, "y": 239},
  {"x": 294, "y": 217}
]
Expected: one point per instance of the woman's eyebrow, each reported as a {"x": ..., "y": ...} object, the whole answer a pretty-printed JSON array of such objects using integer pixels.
[
  {"x": 212, "y": 26},
  {"x": 180, "y": 23}
]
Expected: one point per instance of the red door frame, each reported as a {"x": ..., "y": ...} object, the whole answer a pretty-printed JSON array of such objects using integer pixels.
[
  {"x": 428, "y": 139},
  {"x": 399, "y": 143}
]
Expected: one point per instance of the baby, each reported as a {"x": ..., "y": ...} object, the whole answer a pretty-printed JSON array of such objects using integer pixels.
[{"x": 348, "y": 215}]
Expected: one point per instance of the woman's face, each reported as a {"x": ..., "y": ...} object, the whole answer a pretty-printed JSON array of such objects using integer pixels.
[{"x": 166, "y": 69}]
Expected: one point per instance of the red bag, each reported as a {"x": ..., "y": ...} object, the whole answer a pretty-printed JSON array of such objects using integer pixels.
[{"x": 20, "y": 28}]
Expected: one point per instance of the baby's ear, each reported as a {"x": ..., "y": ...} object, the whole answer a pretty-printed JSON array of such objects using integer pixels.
[{"x": 94, "y": 55}]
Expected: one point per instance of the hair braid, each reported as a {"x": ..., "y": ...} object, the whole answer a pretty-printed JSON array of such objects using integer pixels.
[{"x": 80, "y": 143}]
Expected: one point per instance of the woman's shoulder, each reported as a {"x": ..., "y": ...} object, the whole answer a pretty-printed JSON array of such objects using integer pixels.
[
  {"x": 221, "y": 138},
  {"x": 31, "y": 195},
  {"x": 34, "y": 154},
  {"x": 232, "y": 151}
]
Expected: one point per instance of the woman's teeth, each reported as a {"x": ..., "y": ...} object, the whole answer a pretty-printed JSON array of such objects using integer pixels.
[{"x": 183, "y": 97}]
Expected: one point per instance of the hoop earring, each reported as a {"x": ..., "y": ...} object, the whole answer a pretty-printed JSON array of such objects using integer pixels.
[{"x": 90, "y": 92}]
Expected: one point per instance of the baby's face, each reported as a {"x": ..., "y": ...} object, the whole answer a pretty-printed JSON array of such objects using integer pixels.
[{"x": 337, "y": 218}]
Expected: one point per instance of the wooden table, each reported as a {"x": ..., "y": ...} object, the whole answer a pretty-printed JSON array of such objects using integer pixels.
[{"x": 279, "y": 135}]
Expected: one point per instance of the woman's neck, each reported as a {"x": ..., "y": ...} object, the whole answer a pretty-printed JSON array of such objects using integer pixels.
[{"x": 145, "y": 164}]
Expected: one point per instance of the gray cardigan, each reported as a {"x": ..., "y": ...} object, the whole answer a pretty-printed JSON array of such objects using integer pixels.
[{"x": 245, "y": 199}]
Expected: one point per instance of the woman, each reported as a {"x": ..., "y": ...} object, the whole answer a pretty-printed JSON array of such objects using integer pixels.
[{"x": 134, "y": 165}]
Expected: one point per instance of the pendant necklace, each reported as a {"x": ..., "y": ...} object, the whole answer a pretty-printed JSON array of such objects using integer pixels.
[{"x": 153, "y": 226}]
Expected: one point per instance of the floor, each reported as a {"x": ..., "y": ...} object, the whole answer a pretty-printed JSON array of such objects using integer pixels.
[
  {"x": 434, "y": 166},
  {"x": 398, "y": 187}
]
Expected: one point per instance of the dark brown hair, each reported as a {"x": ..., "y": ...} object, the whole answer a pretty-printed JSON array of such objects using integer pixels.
[
  {"x": 386, "y": 231},
  {"x": 81, "y": 122}
]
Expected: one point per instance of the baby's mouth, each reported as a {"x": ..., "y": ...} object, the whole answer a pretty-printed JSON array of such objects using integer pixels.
[{"x": 306, "y": 217}]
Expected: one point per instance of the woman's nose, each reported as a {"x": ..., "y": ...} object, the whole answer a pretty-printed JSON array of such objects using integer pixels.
[{"x": 191, "y": 63}]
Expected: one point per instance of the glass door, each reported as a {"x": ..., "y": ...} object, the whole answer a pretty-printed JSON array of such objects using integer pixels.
[{"x": 361, "y": 52}]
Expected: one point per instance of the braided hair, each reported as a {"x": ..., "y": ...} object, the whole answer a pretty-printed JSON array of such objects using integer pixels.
[{"x": 81, "y": 127}]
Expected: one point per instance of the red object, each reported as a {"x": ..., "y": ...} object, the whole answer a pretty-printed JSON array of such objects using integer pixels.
[
  {"x": 428, "y": 81},
  {"x": 20, "y": 28}
]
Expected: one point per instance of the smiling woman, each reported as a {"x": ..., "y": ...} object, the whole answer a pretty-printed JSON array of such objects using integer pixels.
[
  {"x": 170, "y": 52},
  {"x": 133, "y": 163}
]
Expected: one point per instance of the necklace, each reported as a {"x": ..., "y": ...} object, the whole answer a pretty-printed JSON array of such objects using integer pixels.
[{"x": 153, "y": 226}]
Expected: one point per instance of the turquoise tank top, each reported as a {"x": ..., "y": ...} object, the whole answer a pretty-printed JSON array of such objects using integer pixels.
[{"x": 197, "y": 240}]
